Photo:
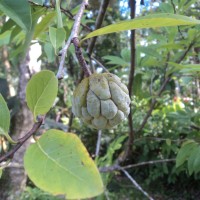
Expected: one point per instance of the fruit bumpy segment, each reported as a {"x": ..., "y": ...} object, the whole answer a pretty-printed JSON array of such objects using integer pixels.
[{"x": 101, "y": 101}]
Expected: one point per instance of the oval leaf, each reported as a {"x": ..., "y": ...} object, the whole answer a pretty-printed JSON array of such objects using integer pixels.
[
  {"x": 41, "y": 92},
  {"x": 149, "y": 21},
  {"x": 19, "y": 11},
  {"x": 60, "y": 164}
]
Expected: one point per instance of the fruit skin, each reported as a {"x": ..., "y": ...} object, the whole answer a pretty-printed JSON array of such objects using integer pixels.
[{"x": 101, "y": 101}]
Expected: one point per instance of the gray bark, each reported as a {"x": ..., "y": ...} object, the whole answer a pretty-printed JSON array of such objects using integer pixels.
[{"x": 14, "y": 180}]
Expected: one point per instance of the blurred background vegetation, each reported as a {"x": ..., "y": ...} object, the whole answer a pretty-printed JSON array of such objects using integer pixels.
[{"x": 174, "y": 123}]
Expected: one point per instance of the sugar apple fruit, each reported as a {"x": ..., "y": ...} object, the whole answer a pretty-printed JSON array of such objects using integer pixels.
[{"x": 101, "y": 101}]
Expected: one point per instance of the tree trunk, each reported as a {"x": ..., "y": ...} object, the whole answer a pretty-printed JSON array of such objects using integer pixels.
[{"x": 15, "y": 177}]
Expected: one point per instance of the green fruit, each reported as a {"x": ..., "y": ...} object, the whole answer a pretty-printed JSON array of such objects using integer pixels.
[{"x": 101, "y": 101}]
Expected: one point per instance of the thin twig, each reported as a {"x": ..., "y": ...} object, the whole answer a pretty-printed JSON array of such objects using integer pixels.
[
  {"x": 152, "y": 162},
  {"x": 98, "y": 143},
  {"x": 64, "y": 11},
  {"x": 99, "y": 20},
  {"x": 118, "y": 167},
  {"x": 130, "y": 85},
  {"x": 74, "y": 34},
  {"x": 136, "y": 184},
  {"x": 99, "y": 63},
  {"x": 79, "y": 55},
  {"x": 21, "y": 141}
]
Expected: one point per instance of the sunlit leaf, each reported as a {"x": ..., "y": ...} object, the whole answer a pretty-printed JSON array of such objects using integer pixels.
[
  {"x": 49, "y": 50},
  {"x": 196, "y": 163},
  {"x": 41, "y": 92},
  {"x": 149, "y": 21},
  {"x": 60, "y": 164},
  {"x": 19, "y": 11},
  {"x": 1, "y": 171}
]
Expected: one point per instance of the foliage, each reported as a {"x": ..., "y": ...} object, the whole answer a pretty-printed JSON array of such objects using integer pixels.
[{"x": 171, "y": 131}]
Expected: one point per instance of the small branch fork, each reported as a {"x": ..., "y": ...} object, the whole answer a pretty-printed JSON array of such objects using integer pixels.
[
  {"x": 21, "y": 141},
  {"x": 73, "y": 37},
  {"x": 162, "y": 88},
  {"x": 123, "y": 169}
]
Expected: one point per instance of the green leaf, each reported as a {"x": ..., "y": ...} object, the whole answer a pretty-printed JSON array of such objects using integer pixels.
[
  {"x": 193, "y": 156},
  {"x": 48, "y": 49},
  {"x": 41, "y": 92},
  {"x": 60, "y": 164},
  {"x": 149, "y": 21},
  {"x": 5, "y": 38},
  {"x": 46, "y": 20},
  {"x": 190, "y": 68},
  {"x": 1, "y": 171},
  {"x": 115, "y": 60},
  {"x": 57, "y": 36},
  {"x": 185, "y": 152},
  {"x": 196, "y": 165},
  {"x": 19, "y": 11},
  {"x": 4, "y": 115},
  {"x": 5, "y": 120}
]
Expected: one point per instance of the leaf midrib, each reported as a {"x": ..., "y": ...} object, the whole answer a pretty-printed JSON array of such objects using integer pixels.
[
  {"x": 56, "y": 163},
  {"x": 41, "y": 95}
]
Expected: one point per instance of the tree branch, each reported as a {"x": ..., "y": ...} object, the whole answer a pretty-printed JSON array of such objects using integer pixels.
[
  {"x": 21, "y": 141},
  {"x": 130, "y": 85},
  {"x": 118, "y": 167},
  {"x": 80, "y": 57},
  {"x": 74, "y": 35},
  {"x": 136, "y": 184},
  {"x": 99, "y": 20}
]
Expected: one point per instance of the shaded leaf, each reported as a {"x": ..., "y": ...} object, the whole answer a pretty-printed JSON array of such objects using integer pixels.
[
  {"x": 190, "y": 68},
  {"x": 5, "y": 38},
  {"x": 193, "y": 156},
  {"x": 60, "y": 164},
  {"x": 48, "y": 49},
  {"x": 149, "y": 21},
  {"x": 185, "y": 152},
  {"x": 5, "y": 120},
  {"x": 57, "y": 36},
  {"x": 46, "y": 20},
  {"x": 4, "y": 115},
  {"x": 41, "y": 92},
  {"x": 19, "y": 11}
]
